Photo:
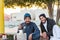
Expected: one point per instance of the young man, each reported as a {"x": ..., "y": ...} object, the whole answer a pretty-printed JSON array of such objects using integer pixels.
[
  {"x": 47, "y": 26},
  {"x": 30, "y": 28}
]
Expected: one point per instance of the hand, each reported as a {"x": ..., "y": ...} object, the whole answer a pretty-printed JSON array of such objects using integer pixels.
[
  {"x": 30, "y": 37},
  {"x": 44, "y": 35},
  {"x": 20, "y": 27},
  {"x": 41, "y": 34}
]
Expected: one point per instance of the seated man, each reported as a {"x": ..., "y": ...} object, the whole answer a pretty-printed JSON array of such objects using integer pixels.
[
  {"x": 30, "y": 28},
  {"x": 48, "y": 27}
]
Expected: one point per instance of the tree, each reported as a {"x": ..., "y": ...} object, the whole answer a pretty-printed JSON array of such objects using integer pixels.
[
  {"x": 30, "y": 2},
  {"x": 50, "y": 7},
  {"x": 58, "y": 12}
]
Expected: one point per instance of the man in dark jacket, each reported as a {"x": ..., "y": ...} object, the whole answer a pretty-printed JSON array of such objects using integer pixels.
[
  {"x": 30, "y": 28},
  {"x": 46, "y": 26}
]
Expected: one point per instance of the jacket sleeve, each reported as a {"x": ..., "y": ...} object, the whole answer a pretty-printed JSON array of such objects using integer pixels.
[
  {"x": 56, "y": 31},
  {"x": 36, "y": 34}
]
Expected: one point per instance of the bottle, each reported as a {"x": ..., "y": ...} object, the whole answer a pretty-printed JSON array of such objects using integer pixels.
[
  {"x": 20, "y": 35},
  {"x": 24, "y": 32}
]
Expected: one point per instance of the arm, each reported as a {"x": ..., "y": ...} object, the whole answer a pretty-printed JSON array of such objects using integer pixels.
[
  {"x": 56, "y": 31},
  {"x": 36, "y": 33}
]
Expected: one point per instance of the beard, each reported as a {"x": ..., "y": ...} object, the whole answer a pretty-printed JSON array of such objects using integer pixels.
[
  {"x": 27, "y": 22},
  {"x": 44, "y": 21}
]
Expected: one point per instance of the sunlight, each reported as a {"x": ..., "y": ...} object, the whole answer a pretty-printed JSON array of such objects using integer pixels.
[
  {"x": 34, "y": 7},
  {"x": 11, "y": 10},
  {"x": 17, "y": 9},
  {"x": 55, "y": 7}
]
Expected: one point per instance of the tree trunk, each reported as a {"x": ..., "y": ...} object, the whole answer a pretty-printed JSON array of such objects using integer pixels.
[
  {"x": 50, "y": 10},
  {"x": 58, "y": 15},
  {"x": 58, "y": 12}
]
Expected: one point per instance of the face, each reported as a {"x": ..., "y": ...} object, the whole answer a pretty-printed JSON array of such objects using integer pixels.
[
  {"x": 27, "y": 20},
  {"x": 43, "y": 19}
]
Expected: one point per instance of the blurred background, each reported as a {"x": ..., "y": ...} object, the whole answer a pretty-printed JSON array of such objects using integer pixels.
[
  {"x": 14, "y": 11},
  {"x": 17, "y": 8}
]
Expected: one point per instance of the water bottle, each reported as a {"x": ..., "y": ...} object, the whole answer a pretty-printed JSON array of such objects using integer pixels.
[
  {"x": 21, "y": 35},
  {"x": 24, "y": 32}
]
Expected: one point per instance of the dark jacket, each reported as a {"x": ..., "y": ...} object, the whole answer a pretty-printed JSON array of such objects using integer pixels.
[
  {"x": 31, "y": 28},
  {"x": 50, "y": 24}
]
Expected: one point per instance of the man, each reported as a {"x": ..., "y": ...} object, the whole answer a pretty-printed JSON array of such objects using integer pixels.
[
  {"x": 30, "y": 28},
  {"x": 46, "y": 26}
]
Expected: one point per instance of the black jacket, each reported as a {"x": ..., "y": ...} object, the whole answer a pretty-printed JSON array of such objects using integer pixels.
[{"x": 50, "y": 24}]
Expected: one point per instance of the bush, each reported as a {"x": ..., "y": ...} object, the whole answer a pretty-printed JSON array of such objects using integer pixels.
[{"x": 10, "y": 37}]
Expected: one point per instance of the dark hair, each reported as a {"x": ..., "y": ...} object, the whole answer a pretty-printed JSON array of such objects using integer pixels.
[{"x": 42, "y": 15}]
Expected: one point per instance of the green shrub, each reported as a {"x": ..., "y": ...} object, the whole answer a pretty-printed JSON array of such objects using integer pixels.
[{"x": 10, "y": 37}]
